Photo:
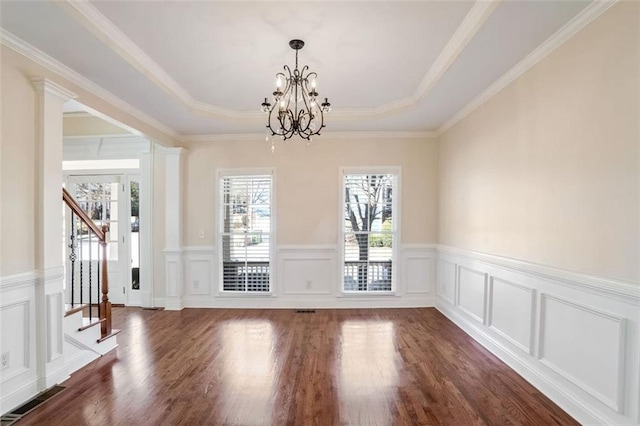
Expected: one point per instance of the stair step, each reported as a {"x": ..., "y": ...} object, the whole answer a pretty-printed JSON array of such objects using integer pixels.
[
  {"x": 86, "y": 323},
  {"x": 72, "y": 309},
  {"x": 113, "y": 333}
]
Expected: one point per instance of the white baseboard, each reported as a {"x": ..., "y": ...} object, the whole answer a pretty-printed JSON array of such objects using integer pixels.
[
  {"x": 14, "y": 398},
  {"x": 309, "y": 303}
]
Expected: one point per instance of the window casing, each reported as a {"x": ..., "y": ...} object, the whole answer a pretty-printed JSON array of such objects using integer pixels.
[
  {"x": 369, "y": 230},
  {"x": 245, "y": 232}
]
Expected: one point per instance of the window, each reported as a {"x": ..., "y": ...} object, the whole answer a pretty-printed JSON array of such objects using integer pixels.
[
  {"x": 369, "y": 230},
  {"x": 245, "y": 232}
]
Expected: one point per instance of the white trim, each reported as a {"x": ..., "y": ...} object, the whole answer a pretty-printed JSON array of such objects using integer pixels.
[
  {"x": 242, "y": 137},
  {"x": 310, "y": 247},
  {"x": 41, "y": 58},
  {"x": 23, "y": 279},
  {"x": 319, "y": 301},
  {"x": 629, "y": 292},
  {"x": 581, "y": 20},
  {"x": 16, "y": 397},
  {"x": 49, "y": 88},
  {"x": 470, "y": 25}
]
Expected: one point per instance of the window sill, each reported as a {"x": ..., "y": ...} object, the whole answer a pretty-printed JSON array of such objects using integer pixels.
[
  {"x": 368, "y": 293},
  {"x": 245, "y": 294}
]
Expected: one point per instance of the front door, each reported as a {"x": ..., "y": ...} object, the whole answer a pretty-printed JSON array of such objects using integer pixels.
[{"x": 103, "y": 198}]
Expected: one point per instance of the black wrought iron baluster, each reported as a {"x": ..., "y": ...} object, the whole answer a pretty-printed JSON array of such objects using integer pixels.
[
  {"x": 90, "y": 262},
  {"x": 98, "y": 284},
  {"x": 72, "y": 255},
  {"x": 81, "y": 262}
]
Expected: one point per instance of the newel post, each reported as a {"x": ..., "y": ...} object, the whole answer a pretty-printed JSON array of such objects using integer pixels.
[{"x": 105, "y": 304}]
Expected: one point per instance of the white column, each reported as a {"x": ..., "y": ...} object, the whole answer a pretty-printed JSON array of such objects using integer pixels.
[
  {"x": 147, "y": 237},
  {"x": 49, "y": 231},
  {"x": 174, "y": 271}
]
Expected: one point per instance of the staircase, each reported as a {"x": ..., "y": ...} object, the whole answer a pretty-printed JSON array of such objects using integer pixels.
[{"x": 87, "y": 324}]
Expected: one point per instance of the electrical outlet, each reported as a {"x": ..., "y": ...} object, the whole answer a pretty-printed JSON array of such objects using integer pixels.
[
  {"x": 201, "y": 235},
  {"x": 4, "y": 360},
  {"x": 196, "y": 284},
  {"x": 309, "y": 284}
]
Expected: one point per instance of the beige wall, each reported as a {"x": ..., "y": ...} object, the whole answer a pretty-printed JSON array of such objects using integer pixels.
[
  {"x": 308, "y": 185},
  {"x": 17, "y": 171},
  {"x": 547, "y": 170}
]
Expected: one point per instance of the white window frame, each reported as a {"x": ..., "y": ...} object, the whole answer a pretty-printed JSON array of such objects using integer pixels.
[
  {"x": 219, "y": 216},
  {"x": 396, "y": 223}
]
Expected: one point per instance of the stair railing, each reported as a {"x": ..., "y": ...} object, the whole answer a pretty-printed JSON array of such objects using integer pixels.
[{"x": 82, "y": 232}]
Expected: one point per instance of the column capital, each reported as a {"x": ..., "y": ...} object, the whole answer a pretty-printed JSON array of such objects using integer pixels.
[{"x": 47, "y": 87}]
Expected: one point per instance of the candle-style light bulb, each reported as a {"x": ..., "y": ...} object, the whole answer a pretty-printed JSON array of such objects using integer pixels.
[{"x": 279, "y": 83}]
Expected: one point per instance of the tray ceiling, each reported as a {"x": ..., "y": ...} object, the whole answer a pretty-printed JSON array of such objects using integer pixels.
[{"x": 204, "y": 67}]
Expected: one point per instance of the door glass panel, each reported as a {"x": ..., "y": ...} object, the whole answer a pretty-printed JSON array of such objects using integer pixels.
[
  {"x": 99, "y": 201},
  {"x": 135, "y": 235}
]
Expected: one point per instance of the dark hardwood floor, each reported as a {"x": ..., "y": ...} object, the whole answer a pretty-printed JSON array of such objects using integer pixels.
[{"x": 278, "y": 367}]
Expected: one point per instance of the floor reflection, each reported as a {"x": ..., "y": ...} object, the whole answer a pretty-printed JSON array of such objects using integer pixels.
[
  {"x": 367, "y": 369},
  {"x": 249, "y": 372}
]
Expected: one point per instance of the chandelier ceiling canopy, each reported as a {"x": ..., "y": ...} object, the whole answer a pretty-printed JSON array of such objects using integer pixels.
[{"x": 295, "y": 109}]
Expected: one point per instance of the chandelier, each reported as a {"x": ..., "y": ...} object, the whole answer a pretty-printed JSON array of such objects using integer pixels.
[{"x": 295, "y": 109}]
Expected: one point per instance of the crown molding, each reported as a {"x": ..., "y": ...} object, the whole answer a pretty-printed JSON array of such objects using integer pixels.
[
  {"x": 581, "y": 20},
  {"x": 41, "y": 58},
  {"x": 99, "y": 25},
  {"x": 472, "y": 22},
  {"x": 46, "y": 87},
  {"x": 77, "y": 114},
  {"x": 240, "y": 137}
]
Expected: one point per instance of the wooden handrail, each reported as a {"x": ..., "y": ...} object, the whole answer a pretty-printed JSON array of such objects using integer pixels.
[
  {"x": 73, "y": 205},
  {"x": 101, "y": 233}
]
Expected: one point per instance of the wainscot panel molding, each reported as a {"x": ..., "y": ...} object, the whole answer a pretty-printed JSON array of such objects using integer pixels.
[
  {"x": 575, "y": 337},
  {"x": 49, "y": 315},
  {"x": 18, "y": 372},
  {"x": 418, "y": 268},
  {"x": 306, "y": 276},
  {"x": 174, "y": 273}
]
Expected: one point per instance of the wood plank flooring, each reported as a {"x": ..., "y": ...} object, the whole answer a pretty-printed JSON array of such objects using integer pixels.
[{"x": 278, "y": 367}]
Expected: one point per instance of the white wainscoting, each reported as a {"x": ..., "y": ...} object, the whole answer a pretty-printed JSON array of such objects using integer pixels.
[
  {"x": 307, "y": 276},
  {"x": 472, "y": 293},
  {"x": 574, "y": 337},
  {"x": 418, "y": 268},
  {"x": 307, "y": 271},
  {"x": 18, "y": 378}
]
